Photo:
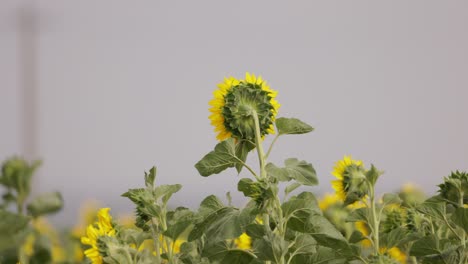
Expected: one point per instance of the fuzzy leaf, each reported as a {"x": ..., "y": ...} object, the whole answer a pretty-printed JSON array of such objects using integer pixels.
[
  {"x": 292, "y": 126},
  {"x": 301, "y": 171},
  {"x": 221, "y": 158},
  {"x": 166, "y": 191}
]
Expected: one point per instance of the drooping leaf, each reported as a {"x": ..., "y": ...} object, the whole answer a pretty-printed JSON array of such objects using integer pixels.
[
  {"x": 292, "y": 126},
  {"x": 222, "y": 157}
]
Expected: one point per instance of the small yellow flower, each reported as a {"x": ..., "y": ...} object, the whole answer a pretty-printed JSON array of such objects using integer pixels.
[
  {"x": 244, "y": 242},
  {"x": 344, "y": 177},
  {"x": 232, "y": 101},
  {"x": 102, "y": 227}
]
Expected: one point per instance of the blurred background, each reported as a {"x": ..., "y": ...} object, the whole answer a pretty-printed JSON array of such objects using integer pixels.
[{"x": 103, "y": 90}]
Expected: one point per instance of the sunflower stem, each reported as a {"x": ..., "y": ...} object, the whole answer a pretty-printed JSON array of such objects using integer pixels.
[
  {"x": 258, "y": 145},
  {"x": 374, "y": 219},
  {"x": 271, "y": 146}
]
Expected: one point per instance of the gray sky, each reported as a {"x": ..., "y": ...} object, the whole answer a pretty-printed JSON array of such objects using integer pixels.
[{"x": 109, "y": 89}]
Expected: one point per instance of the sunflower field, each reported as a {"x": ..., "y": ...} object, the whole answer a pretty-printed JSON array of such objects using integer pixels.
[{"x": 281, "y": 223}]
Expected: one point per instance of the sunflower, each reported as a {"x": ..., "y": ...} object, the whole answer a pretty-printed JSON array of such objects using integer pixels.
[
  {"x": 350, "y": 178},
  {"x": 101, "y": 228},
  {"x": 234, "y": 102},
  {"x": 394, "y": 253}
]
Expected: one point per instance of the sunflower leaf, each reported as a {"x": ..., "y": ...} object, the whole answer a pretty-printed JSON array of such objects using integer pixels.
[
  {"x": 243, "y": 147},
  {"x": 292, "y": 126},
  {"x": 222, "y": 157},
  {"x": 460, "y": 217},
  {"x": 301, "y": 171}
]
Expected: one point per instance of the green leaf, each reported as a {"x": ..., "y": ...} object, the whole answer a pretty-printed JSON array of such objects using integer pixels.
[
  {"x": 278, "y": 173},
  {"x": 10, "y": 225},
  {"x": 360, "y": 214},
  {"x": 301, "y": 171},
  {"x": 250, "y": 188},
  {"x": 391, "y": 198},
  {"x": 222, "y": 223},
  {"x": 304, "y": 244},
  {"x": 219, "y": 252},
  {"x": 270, "y": 247},
  {"x": 134, "y": 236},
  {"x": 325, "y": 233},
  {"x": 425, "y": 246},
  {"x": 243, "y": 147},
  {"x": 324, "y": 255},
  {"x": 210, "y": 204},
  {"x": 356, "y": 237},
  {"x": 45, "y": 204},
  {"x": 221, "y": 158},
  {"x": 179, "y": 222},
  {"x": 166, "y": 191},
  {"x": 290, "y": 188},
  {"x": 301, "y": 206},
  {"x": 434, "y": 209},
  {"x": 292, "y": 126},
  {"x": 460, "y": 217},
  {"x": 255, "y": 230},
  {"x": 237, "y": 256},
  {"x": 150, "y": 177},
  {"x": 394, "y": 237}
]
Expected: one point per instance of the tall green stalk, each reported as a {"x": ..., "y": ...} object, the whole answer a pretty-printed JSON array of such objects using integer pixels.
[{"x": 274, "y": 205}]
